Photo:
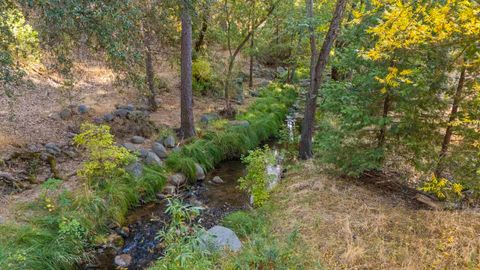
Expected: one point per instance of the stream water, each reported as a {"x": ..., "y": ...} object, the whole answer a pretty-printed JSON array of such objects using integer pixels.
[
  {"x": 218, "y": 200},
  {"x": 145, "y": 222}
]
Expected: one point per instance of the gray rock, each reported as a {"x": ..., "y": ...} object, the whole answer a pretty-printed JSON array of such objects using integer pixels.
[
  {"x": 169, "y": 189},
  {"x": 281, "y": 70},
  {"x": 143, "y": 153},
  {"x": 242, "y": 123},
  {"x": 130, "y": 147},
  {"x": 177, "y": 179},
  {"x": 53, "y": 148},
  {"x": 137, "y": 139},
  {"x": 136, "y": 115},
  {"x": 122, "y": 113},
  {"x": 221, "y": 238},
  {"x": 65, "y": 114},
  {"x": 199, "y": 172},
  {"x": 2, "y": 220},
  {"x": 160, "y": 150},
  {"x": 97, "y": 120},
  {"x": 71, "y": 134},
  {"x": 135, "y": 169},
  {"x": 153, "y": 159},
  {"x": 208, "y": 117},
  {"x": 169, "y": 141},
  {"x": 264, "y": 83},
  {"x": 128, "y": 107},
  {"x": 108, "y": 117},
  {"x": 217, "y": 180},
  {"x": 176, "y": 149},
  {"x": 123, "y": 260},
  {"x": 83, "y": 109},
  {"x": 7, "y": 176}
]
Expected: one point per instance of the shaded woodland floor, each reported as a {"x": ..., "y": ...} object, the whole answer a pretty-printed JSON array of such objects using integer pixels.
[{"x": 352, "y": 226}]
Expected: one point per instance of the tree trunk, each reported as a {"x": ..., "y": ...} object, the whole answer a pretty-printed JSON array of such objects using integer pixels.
[
  {"x": 250, "y": 74},
  {"x": 203, "y": 31},
  {"x": 383, "y": 129},
  {"x": 305, "y": 151},
  {"x": 313, "y": 43},
  {"x": 149, "y": 72},
  {"x": 453, "y": 116},
  {"x": 187, "y": 128}
]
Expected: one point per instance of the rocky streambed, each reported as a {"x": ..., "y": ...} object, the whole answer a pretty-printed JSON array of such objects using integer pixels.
[{"x": 136, "y": 246}]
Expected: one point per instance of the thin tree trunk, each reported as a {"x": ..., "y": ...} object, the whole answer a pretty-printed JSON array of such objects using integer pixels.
[
  {"x": 383, "y": 129},
  {"x": 250, "y": 75},
  {"x": 149, "y": 72},
  {"x": 313, "y": 43},
  {"x": 233, "y": 56},
  {"x": 252, "y": 45},
  {"x": 203, "y": 31},
  {"x": 187, "y": 128},
  {"x": 453, "y": 116},
  {"x": 305, "y": 151}
]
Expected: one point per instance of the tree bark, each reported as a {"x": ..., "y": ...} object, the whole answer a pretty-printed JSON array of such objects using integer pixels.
[
  {"x": 383, "y": 129},
  {"x": 149, "y": 72},
  {"x": 187, "y": 128},
  {"x": 233, "y": 56},
  {"x": 313, "y": 43},
  {"x": 305, "y": 151},
  {"x": 452, "y": 117},
  {"x": 203, "y": 31}
]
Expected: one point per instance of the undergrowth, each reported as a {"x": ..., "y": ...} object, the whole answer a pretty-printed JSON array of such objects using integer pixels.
[
  {"x": 265, "y": 117},
  {"x": 62, "y": 225}
]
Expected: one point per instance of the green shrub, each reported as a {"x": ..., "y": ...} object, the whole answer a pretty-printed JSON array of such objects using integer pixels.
[
  {"x": 202, "y": 74},
  {"x": 257, "y": 179}
]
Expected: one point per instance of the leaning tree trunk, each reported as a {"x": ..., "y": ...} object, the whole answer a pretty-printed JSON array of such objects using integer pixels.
[
  {"x": 305, "y": 151},
  {"x": 203, "y": 31},
  {"x": 383, "y": 129},
  {"x": 187, "y": 128},
  {"x": 149, "y": 73},
  {"x": 453, "y": 116},
  {"x": 250, "y": 74}
]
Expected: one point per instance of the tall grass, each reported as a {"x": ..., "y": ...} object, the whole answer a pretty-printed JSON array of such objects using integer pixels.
[
  {"x": 61, "y": 226},
  {"x": 265, "y": 117}
]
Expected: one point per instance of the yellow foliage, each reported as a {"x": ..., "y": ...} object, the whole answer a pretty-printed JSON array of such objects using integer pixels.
[
  {"x": 442, "y": 188},
  {"x": 106, "y": 160},
  {"x": 409, "y": 25}
]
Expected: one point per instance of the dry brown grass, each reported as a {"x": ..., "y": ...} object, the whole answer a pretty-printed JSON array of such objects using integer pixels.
[{"x": 351, "y": 226}]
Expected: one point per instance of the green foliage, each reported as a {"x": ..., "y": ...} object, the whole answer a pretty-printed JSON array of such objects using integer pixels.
[
  {"x": 106, "y": 160},
  {"x": 261, "y": 248},
  {"x": 202, "y": 74},
  {"x": 61, "y": 225},
  {"x": 183, "y": 241},
  {"x": 265, "y": 117},
  {"x": 256, "y": 181},
  {"x": 18, "y": 44}
]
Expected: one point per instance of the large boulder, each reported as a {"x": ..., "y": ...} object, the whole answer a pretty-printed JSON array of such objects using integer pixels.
[
  {"x": 160, "y": 150},
  {"x": 130, "y": 147},
  {"x": 137, "y": 139},
  {"x": 135, "y": 169},
  {"x": 209, "y": 117},
  {"x": 169, "y": 141},
  {"x": 153, "y": 159},
  {"x": 221, "y": 238},
  {"x": 199, "y": 172},
  {"x": 177, "y": 179}
]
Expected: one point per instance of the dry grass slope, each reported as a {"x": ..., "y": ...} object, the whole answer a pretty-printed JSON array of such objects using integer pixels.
[{"x": 350, "y": 226}]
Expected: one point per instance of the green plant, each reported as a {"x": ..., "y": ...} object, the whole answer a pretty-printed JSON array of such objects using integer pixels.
[
  {"x": 442, "y": 188},
  {"x": 182, "y": 240},
  {"x": 106, "y": 160},
  {"x": 257, "y": 178},
  {"x": 202, "y": 74}
]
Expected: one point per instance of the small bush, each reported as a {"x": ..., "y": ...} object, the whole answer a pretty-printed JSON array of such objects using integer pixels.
[
  {"x": 443, "y": 189},
  {"x": 202, "y": 74},
  {"x": 257, "y": 179}
]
